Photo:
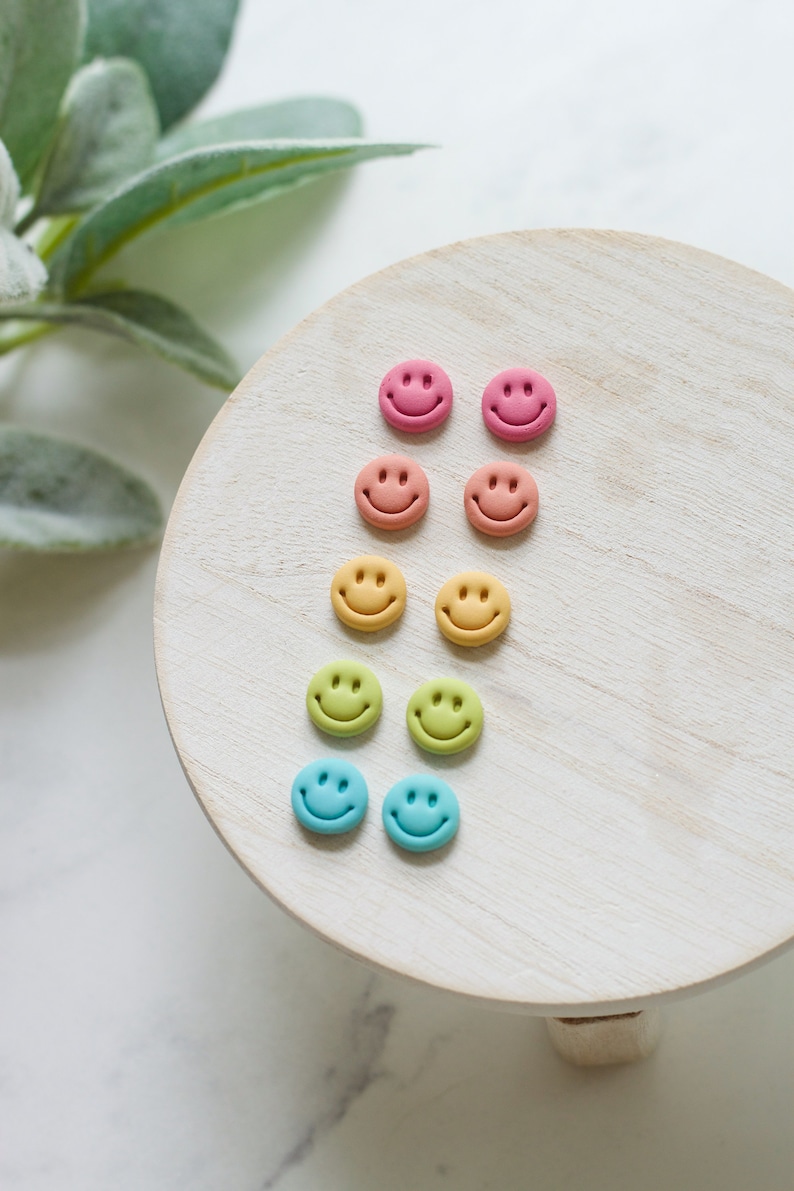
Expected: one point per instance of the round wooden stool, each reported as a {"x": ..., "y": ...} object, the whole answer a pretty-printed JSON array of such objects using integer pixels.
[{"x": 627, "y": 815}]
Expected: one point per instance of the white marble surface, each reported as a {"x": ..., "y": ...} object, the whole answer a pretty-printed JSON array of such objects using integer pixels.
[{"x": 164, "y": 1026}]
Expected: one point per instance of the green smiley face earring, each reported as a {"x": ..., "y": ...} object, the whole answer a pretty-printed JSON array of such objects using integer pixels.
[
  {"x": 344, "y": 698},
  {"x": 444, "y": 716}
]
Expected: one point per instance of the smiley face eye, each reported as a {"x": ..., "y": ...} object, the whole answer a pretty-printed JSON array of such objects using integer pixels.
[
  {"x": 457, "y": 704},
  {"x": 407, "y": 379},
  {"x": 335, "y": 681},
  {"x": 382, "y": 475},
  {"x": 403, "y": 478},
  {"x": 343, "y": 785},
  {"x": 492, "y": 483},
  {"x": 322, "y": 779},
  {"x": 513, "y": 485},
  {"x": 380, "y": 579},
  {"x": 436, "y": 698},
  {"x": 359, "y": 576},
  {"x": 528, "y": 389},
  {"x": 356, "y": 687},
  {"x": 464, "y": 591},
  {"x": 427, "y": 381},
  {"x": 507, "y": 390},
  {"x": 411, "y": 798},
  {"x": 484, "y": 595},
  {"x": 432, "y": 799}
]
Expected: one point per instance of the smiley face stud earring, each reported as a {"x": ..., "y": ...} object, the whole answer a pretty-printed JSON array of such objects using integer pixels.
[
  {"x": 421, "y": 813},
  {"x": 518, "y": 405},
  {"x": 392, "y": 492},
  {"x": 415, "y": 396},
  {"x": 501, "y": 499},
  {"x": 344, "y": 698},
  {"x": 368, "y": 593},
  {"x": 472, "y": 608},
  {"x": 444, "y": 716}
]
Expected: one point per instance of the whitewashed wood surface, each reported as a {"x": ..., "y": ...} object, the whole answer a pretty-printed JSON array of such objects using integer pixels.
[{"x": 627, "y": 827}]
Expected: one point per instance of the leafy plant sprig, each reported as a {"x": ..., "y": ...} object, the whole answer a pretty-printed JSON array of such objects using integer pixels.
[{"x": 92, "y": 155}]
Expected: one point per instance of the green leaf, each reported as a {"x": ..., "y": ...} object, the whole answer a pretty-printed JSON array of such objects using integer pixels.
[
  {"x": 293, "y": 119},
  {"x": 9, "y": 188},
  {"x": 55, "y": 495},
  {"x": 40, "y": 44},
  {"x": 148, "y": 320},
  {"x": 107, "y": 131},
  {"x": 21, "y": 272},
  {"x": 181, "y": 44},
  {"x": 194, "y": 186}
]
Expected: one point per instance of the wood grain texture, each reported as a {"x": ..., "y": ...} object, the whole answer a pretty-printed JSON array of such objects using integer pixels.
[{"x": 627, "y": 827}]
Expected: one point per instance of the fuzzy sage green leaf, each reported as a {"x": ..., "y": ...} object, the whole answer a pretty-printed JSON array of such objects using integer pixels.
[
  {"x": 292, "y": 119},
  {"x": 9, "y": 188},
  {"x": 194, "y": 186},
  {"x": 40, "y": 42},
  {"x": 180, "y": 44},
  {"x": 21, "y": 272},
  {"x": 148, "y": 320},
  {"x": 107, "y": 131},
  {"x": 55, "y": 495}
]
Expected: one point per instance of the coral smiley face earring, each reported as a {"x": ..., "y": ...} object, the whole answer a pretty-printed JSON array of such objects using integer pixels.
[
  {"x": 518, "y": 405},
  {"x": 501, "y": 499},
  {"x": 392, "y": 492}
]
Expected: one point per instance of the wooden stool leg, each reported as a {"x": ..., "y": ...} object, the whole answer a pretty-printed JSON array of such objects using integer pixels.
[{"x": 596, "y": 1041}]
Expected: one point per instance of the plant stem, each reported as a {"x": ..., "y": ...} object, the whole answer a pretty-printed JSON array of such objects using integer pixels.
[
  {"x": 54, "y": 233},
  {"x": 9, "y": 343},
  {"x": 26, "y": 222}
]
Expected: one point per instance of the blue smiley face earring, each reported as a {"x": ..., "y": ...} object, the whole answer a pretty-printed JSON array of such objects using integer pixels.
[
  {"x": 329, "y": 796},
  {"x": 421, "y": 813}
]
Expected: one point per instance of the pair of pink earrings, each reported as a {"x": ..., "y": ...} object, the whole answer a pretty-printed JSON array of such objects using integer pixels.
[
  {"x": 392, "y": 492},
  {"x": 517, "y": 405}
]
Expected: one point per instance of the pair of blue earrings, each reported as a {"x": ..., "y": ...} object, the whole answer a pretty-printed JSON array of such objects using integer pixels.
[{"x": 420, "y": 813}]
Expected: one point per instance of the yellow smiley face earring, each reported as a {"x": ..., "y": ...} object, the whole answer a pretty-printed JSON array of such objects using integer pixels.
[
  {"x": 472, "y": 608},
  {"x": 368, "y": 593}
]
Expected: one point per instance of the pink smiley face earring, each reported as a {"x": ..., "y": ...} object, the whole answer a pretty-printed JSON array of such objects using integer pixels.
[
  {"x": 415, "y": 396},
  {"x": 518, "y": 405}
]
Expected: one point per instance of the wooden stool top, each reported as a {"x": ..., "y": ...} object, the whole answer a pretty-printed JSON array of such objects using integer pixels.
[{"x": 627, "y": 815}]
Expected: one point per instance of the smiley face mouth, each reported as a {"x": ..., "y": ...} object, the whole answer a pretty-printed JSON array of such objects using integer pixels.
[
  {"x": 390, "y": 512},
  {"x": 468, "y": 628},
  {"x": 325, "y": 818},
  {"x": 531, "y": 422},
  {"x": 358, "y": 612},
  {"x": 492, "y": 516},
  {"x": 413, "y": 413},
  {"x": 340, "y": 719},
  {"x": 419, "y": 834},
  {"x": 434, "y": 736}
]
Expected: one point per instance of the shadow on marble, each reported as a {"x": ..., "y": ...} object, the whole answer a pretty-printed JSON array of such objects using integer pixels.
[{"x": 47, "y": 600}]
